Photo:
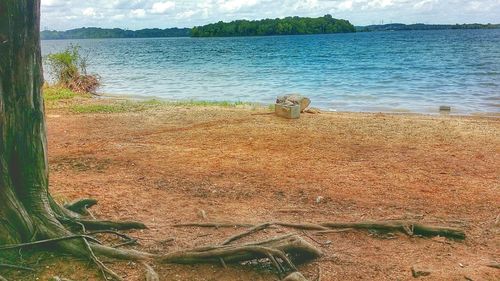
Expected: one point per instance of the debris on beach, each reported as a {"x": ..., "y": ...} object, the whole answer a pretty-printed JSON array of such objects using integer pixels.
[
  {"x": 292, "y": 99},
  {"x": 312, "y": 110},
  {"x": 290, "y": 106},
  {"x": 444, "y": 108}
]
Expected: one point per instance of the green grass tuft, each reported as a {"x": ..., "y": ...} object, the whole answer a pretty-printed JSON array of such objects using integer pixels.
[
  {"x": 117, "y": 107},
  {"x": 135, "y": 106},
  {"x": 207, "y": 103},
  {"x": 56, "y": 93}
]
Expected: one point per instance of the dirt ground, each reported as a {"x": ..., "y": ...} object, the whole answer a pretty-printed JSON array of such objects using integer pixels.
[{"x": 166, "y": 165}]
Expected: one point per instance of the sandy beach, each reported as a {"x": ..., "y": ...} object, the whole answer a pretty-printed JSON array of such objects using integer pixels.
[{"x": 164, "y": 165}]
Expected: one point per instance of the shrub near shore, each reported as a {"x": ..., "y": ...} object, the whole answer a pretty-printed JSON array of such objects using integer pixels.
[{"x": 69, "y": 70}]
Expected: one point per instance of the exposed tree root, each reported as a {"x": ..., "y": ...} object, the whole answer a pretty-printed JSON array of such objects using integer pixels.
[
  {"x": 213, "y": 224},
  {"x": 81, "y": 206},
  {"x": 47, "y": 241},
  {"x": 10, "y": 266},
  {"x": 151, "y": 274},
  {"x": 104, "y": 270},
  {"x": 109, "y": 225},
  {"x": 246, "y": 233},
  {"x": 277, "y": 250},
  {"x": 293, "y": 245},
  {"x": 407, "y": 227},
  {"x": 321, "y": 232},
  {"x": 119, "y": 234}
]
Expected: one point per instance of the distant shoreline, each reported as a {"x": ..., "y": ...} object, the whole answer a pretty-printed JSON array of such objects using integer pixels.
[{"x": 116, "y": 33}]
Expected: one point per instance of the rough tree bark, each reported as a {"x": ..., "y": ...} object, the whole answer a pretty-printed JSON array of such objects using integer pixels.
[{"x": 27, "y": 211}]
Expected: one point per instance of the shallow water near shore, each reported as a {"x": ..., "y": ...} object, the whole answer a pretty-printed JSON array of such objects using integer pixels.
[{"x": 414, "y": 71}]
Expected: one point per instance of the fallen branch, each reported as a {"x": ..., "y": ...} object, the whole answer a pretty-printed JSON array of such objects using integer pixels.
[{"x": 2, "y": 278}]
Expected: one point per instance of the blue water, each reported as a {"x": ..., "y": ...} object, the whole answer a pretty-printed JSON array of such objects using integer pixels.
[{"x": 414, "y": 71}]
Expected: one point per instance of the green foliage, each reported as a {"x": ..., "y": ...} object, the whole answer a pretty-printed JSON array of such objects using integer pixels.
[
  {"x": 57, "y": 93},
  {"x": 286, "y": 26},
  {"x": 94, "y": 32},
  {"x": 69, "y": 69},
  {"x": 421, "y": 26},
  {"x": 64, "y": 66}
]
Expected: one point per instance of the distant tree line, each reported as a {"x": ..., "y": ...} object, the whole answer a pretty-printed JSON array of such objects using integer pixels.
[
  {"x": 421, "y": 26},
  {"x": 286, "y": 26},
  {"x": 94, "y": 32}
]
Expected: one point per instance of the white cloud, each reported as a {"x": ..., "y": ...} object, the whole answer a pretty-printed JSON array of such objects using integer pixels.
[
  {"x": 162, "y": 7},
  {"x": 235, "y": 5},
  {"x": 186, "y": 14},
  {"x": 89, "y": 12},
  {"x": 345, "y": 5},
  {"x": 305, "y": 5},
  {"x": 136, "y": 14}
]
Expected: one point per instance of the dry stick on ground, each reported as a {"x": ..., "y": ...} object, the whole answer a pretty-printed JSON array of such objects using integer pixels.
[
  {"x": 408, "y": 227},
  {"x": 2, "y": 278}
]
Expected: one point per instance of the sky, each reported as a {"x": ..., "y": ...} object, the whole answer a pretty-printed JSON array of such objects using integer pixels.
[{"x": 138, "y": 14}]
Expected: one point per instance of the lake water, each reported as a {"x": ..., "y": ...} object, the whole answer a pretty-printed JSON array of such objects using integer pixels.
[{"x": 414, "y": 71}]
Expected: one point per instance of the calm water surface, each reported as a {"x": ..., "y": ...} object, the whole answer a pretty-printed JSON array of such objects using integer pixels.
[{"x": 413, "y": 71}]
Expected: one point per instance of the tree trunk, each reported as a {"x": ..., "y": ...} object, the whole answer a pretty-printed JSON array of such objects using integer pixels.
[{"x": 27, "y": 212}]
